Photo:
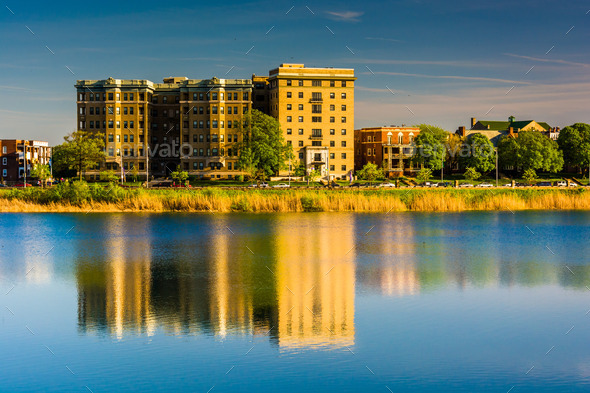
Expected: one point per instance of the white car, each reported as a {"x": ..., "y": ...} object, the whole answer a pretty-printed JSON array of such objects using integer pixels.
[
  {"x": 572, "y": 184},
  {"x": 281, "y": 185},
  {"x": 433, "y": 185},
  {"x": 466, "y": 185},
  {"x": 561, "y": 183},
  {"x": 387, "y": 185},
  {"x": 485, "y": 185}
]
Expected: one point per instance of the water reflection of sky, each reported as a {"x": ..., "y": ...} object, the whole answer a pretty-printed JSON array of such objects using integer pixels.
[{"x": 379, "y": 285}]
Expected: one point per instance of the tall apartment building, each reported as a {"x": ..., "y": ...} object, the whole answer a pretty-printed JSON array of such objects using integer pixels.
[
  {"x": 390, "y": 148},
  {"x": 18, "y": 155},
  {"x": 315, "y": 107},
  {"x": 180, "y": 122},
  {"x": 194, "y": 124}
]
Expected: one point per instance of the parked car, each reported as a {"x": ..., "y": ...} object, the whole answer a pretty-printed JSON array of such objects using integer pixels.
[
  {"x": 544, "y": 184},
  {"x": 485, "y": 185},
  {"x": 355, "y": 185},
  {"x": 23, "y": 185},
  {"x": 517, "y": 184},
  {"x": 444, "y": 184},
  {"x": 173, "y": 185},
  {"x": 281, "y": 185},
  {"x": 465, "y": 185},
  {"x": 572, "y": 184},
  {"x": 561, "y": 183},
  {"x": 387, "y": 185},
  {"x": 254, "y": 185},
  {"x": 432, "y": 184},
  {"x": 263, "y": 185}
]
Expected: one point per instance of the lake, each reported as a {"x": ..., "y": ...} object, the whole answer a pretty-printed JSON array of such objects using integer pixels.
[{"x": 326, "y": 302}]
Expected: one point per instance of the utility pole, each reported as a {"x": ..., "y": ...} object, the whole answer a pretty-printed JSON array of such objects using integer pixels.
[
  {"x": 289, "y": 170},
  {"x": 442, "y": 168},
  {"x": 25, "y": 162},
  {"x": 496, "y": 167},
  {"x": 147, "y": 164}
]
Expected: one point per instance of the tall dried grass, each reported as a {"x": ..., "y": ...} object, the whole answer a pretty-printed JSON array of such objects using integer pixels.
[{"x": 304, "y": 200}]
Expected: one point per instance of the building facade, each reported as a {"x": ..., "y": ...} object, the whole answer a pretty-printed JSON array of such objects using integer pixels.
[
  {"x": 151, "y": 129},
  {"x": 18, "y": 155},
  {"x": 315, "y": 107},
  {"x": 390, "y": 148},
  {"x": 494, "y": 130}
]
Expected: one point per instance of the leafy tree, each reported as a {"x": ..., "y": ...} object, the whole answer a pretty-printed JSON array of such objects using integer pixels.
[
  {"x": 134, "y": 173},
  {"x": 41, "y": 172},
  {"x": 262, "y": 149},
  {"x": 529, "y": 175},
  {"x": 454, "y": 145},
  {"x": 179, "y": 176},
  {"x": 370, "y": 172},
  {"x": 430, "y": 150},
  {"x": 109, "y": 176},
  {"x": 480, "y": 153},
  {"x": 300, "y": 170},
  {"x": 440, "y": 134},
  {"x": 81, "y": 150},
  {"x": 530, "y": 150},
  {"x": 471, "y": 174},
  {"x": 574, "y": 142},
  {"x": 424, "y": 174}
]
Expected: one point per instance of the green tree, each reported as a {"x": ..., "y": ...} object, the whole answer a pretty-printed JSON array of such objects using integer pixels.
[
  {"x": 530, "y": 150},
  {"x": 574, "y": 142},
  {"x": 529, "y": 175},
  {"x": 430, "y": 150},
  {"x": 300, "y": 170},
  {"x": 109, "y": 176},
  {"x": 179, "y": 176},
  {"x": 480, "y": 153},
  {"x": 370, "y": 172},
  {"x": 80, "y": 151},
  {"x": 471, "y": 174},
  {"x": 41, "y": 171},
  {"x": 423, "y": 175},
  {"x": 262, "y": 149}
]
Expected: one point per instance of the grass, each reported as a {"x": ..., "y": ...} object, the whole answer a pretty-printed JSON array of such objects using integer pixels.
[{"x": 81, "y": 197}]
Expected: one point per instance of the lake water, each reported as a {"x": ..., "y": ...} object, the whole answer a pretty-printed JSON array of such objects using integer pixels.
[{"x": 326, "y": 302}]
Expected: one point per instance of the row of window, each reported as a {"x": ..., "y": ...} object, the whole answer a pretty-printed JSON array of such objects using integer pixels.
[
  {"x": 316, "y": 108},
  {"x": 212, "y": 166},
  {"x": 314, "y": 82},
  {"x": 213, "y": 138},
  {"x": 316, "y": 96},
  {"x": 209, "y": 96},
  {"x": 126, "y": 152},
  {"x": 127, "y": 138},
  {"x": 400, "y": 138},
  {"x": 111, "y": 96},
  {"x": 317, "y": 132},
  {"x": 316, "y": 119},
  {"x": 318, "y": 143}
]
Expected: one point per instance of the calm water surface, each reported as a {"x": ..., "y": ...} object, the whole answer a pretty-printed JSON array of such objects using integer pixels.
[{"x": 330, "y": 302}]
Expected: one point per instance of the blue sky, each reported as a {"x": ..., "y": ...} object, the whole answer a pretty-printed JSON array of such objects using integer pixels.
[{"x": 416, "y": 61}]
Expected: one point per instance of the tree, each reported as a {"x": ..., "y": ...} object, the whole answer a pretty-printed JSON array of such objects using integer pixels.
[
  {"x": 529, "y": 175},
  {"x": 440, "y": 134},
  {"x": 574, "y": 142},
  {"x": 179, "y": 176},
  {"x": 262, "y": 149},
  {"x": 134, "y": 173},
  {"x": 471, "y": 174},
  {"x": 370, "y": 172},
  {"x": 109, "y": 176},
  {"x": 480, "y": 153},
  {"x": 430, "y": 150},
  {"x": 423, "y": 175},
  {"x": 300, "y": 170},
  {"x": 41, "y": 172},
  {"x": 80, "y": 151},
  {"x": 530, "y": 150},
  {"x": 454, "y": 146}
]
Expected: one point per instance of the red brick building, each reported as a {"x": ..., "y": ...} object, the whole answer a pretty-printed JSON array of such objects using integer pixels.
[
  {"x": 12, "y": 157},
  {"x": 390, "y": 148}
]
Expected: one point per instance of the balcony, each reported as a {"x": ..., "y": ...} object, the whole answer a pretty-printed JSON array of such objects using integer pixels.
[
  {"x": 316, "y": 99},
  {"x": 316, "y": 137}
]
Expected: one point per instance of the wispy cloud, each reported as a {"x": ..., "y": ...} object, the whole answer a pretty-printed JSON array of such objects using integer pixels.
[
  {"x": 444, "y": 63},
  {"x": 382, "y": 39},
  {"x": 459, "y": 77},
  {"x": 554, "y": 61},
  {"x": 346, "y": 16}
]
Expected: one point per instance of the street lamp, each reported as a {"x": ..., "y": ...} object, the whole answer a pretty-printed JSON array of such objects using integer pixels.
[{"x": 496, "y": 167}]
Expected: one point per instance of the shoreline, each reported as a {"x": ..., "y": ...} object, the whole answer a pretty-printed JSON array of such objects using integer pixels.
[{"x": 311, "y": 200}]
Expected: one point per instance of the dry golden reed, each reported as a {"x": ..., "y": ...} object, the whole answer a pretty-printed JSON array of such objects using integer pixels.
[{"x": 308, "y": 200}]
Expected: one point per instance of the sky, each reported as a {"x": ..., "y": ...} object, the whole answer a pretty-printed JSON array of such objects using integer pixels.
[{"x": 416, "y": 61}]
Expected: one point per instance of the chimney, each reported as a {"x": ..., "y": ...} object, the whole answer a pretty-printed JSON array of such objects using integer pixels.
[
  {"x": 462, "y": 131},
  {"x": 473, "y": 121},
  {"x": 511, "y": 131}
]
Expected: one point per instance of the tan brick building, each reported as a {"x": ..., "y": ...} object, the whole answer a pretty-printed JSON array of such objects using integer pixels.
[
  {"x": 315, "y": 107},
  {"x": 390, "y": 148},
  {"x": 16, "y": 153}
]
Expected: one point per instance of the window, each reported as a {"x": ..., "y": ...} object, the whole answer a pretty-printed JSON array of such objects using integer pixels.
[
  {"x": 332, "y": 119},
  {"x": 332, "y": 168},
  {"x": 245, "y": 95},
  {"x": 343, "y": 143},
  {"x": 288, "y": 94},
  {"x": 125, "y": 138},
  {"x": 317, "y": 132},
  {"x": 110, "y": 124},
  {"x": 131, "y": 138},
  {"x": 332, "y": 95},
  {"x": 343, "y": 131},
  {"x": 400, "y": 138},
  {"x": 288, "y": 82},
  {"x": 301, "y": 156},
  {"x": 165, "y": 100},
  {"x": 4, "y": 161},
  {"x": 332, "y": 131},
  {"x": 343, "y": 108},
  {"x": 118, "y": 96},
  {"x": 316, "y": 143},
  {"x": 301, "y": 82},
  {"x": 300, "y": 131},
  {"x": 343, "y": 156},
  {"x": 118, "y": 138},
  {"x": 332, "y": 107},
  {"x": 332, "y": 156},
  {"x": 289, "y": 131},
  {"x": 343, "y": 119},
  {"x": 125, "y": 97},
  {"x": 300, "y": 107},
  {"x": 316, "y": 119},
  {"x": 195, "y": 124},
  {"x": 332, "y": 144},
  {"x": 411, "y": 137},
  {"x": 118, "y": 110},
  {"x": 288, "y": 119},
  {"x": 110, "y": 96},
  {"x": 343, "y": 167},
  {"x": 316, "y": 83},
  {"x": 235, "y": 96},
  {"x": 125, "y": 124},
  {"x": 332, "y": 84},
  {"x": 300, "y": 119},
  {"x": 316, "y": 109},
  {"x": 343, "y": 83},
  {"x": 300, "y": 143},
  {"x": 288, "y": 107},
  {"x": 111, "y": 152},
  {"x": 300, "y": 94},
  {"x": 343, "y": 95},
  {"x": 118, "y": 124},
  {"x": 3, "y": 149}
]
